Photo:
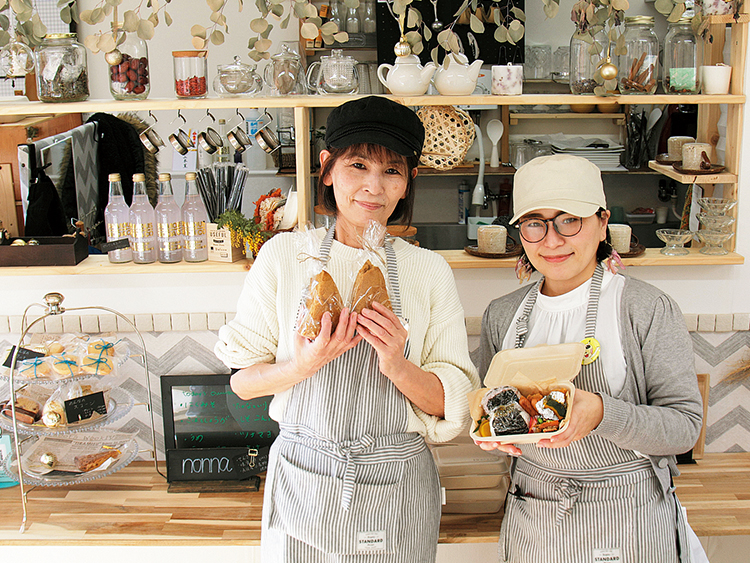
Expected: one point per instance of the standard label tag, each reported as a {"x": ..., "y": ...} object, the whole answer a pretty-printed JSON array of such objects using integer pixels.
[
  {"x": 370, "y": 542},
  {"x": 607, "y": 556}
]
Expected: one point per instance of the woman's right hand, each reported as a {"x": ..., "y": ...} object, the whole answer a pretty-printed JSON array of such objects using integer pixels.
[
  {"x": 509, "y": 449},
  {"x": 310, "y": 356}
]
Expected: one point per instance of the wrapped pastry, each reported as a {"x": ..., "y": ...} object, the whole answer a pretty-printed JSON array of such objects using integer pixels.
[
  {"x": 90, "y": 462},
  {"x": 53, "y": 413},
  {"x": 27, "y": 410},
  {"x": 322, "y": 296},
  {"x": 369, "y": 287}
]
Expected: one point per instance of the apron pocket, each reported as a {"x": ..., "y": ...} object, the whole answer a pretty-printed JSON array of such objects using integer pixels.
[
  {"x": 307, "y": 506},
  {"x": 596, "y": 531}
]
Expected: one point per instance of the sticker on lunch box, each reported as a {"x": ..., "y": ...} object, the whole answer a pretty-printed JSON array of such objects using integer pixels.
[{"x": 528, "y": 396}]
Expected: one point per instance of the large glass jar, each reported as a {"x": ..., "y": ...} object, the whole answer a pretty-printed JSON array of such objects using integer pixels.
[
  {"x": 62, "y": 74},
  {"x": 190, "y": 73},
  {"x": 128, "y": 78},
  {"x": 584, "y": 62},
  {"x": 640, "y": 65},
  {"x": 681, "y": 56}
]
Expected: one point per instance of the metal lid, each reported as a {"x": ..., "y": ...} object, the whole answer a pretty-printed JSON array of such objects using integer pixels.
[
  {"x": 636, "y": 20},
  {"x": 114, "y": 177},
  {"x": 165, "y": 177},
  {"x": 61, "y": 36},
  {"x": 139, "y": 177},
  {"x": 684, "y": 20}
]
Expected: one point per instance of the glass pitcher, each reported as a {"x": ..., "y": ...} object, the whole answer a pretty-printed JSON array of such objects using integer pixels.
[{"x": 334, "y": 74}]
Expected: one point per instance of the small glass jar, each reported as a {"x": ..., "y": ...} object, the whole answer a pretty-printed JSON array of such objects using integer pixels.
[
  {"x": 62, "y": 73},
  {"x": 640, "y": 65},
  {"x": 190, "y": 73},
  {"x": 681, "y": 56},
  {"x": 128, "y": 78},
  {"x": 369, "y": 23},
  {"x": 584, "y": 62}
]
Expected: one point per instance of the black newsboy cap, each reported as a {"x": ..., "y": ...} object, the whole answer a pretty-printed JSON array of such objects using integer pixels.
[{"x": 378, "y": 121}]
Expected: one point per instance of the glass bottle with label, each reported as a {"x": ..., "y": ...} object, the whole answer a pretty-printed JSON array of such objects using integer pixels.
[
  {"x": 117, "y": 220},
  {"x": 142, "y": 221},
  {"x": 168, "y": 223},
  {"x": 681, "y": 56},
  {"x": 639, "y": 66},
  {"x": 194, "y": 219},
  {"x": 222, "y": 153}
]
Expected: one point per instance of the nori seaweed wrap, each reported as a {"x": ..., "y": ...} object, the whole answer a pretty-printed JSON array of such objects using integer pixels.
[
  {"x": 509, "y": 419},
  {"x": 499, "y": 396}
]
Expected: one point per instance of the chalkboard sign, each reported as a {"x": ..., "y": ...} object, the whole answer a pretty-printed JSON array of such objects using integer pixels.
[
  {"x": 82, "y": 408},
  {"x": 201, "y": 412},
  {"x": 23, "y": 354},
  {"x": 215, "y": 464}
]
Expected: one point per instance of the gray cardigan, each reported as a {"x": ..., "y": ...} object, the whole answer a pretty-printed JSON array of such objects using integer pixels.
[{"x": 659, "y": 410}]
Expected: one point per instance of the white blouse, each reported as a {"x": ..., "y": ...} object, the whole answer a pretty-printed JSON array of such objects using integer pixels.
[{"x": 555, "y": 320}]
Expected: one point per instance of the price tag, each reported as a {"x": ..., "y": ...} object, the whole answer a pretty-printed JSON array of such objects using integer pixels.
[
  {"x": 115, "y": 245},
  {"x": 83, "y": 408},
  {"x": 23, "y": 354}
]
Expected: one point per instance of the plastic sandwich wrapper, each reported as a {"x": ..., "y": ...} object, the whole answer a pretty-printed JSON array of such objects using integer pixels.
[{"x": 539, "y": 369}]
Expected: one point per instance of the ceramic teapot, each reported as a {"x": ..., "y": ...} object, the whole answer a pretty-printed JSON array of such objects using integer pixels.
[
  {"x": 237, "y": 78},
  {"x": 456, "y": 77},
  {"x": 407, "y": 77},
  {"x": 336, "y": 74}
]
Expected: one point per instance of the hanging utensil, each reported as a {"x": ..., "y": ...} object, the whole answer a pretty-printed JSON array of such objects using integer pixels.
[
  {"x": 495, "y": 129},
  {"x": 436, "y": 26}
]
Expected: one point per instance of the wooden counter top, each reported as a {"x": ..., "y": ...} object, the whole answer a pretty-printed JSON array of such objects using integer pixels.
[
  {"x": 132, "y": 507},
  {"x": 457, "y": 259}
]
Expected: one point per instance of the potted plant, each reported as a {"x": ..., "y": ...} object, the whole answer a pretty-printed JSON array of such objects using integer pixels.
[{"x": 246, "y": 234}]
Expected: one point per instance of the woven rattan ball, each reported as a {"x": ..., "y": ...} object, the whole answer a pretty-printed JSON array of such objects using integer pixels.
[{"x": 449, "y": 133}]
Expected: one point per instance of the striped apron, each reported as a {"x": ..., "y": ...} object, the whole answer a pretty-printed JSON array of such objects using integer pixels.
[
  {"x": 590, "y": 501},
  {"x": 345, "y": 481}
]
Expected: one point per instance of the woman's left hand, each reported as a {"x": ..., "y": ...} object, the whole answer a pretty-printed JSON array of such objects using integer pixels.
[
  {"x": 381, "y": 328},
  {"x": 585, "y": 415}
]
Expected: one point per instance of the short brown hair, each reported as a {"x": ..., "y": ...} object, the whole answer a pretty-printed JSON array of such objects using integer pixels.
[{"x": 404, "y": 210}]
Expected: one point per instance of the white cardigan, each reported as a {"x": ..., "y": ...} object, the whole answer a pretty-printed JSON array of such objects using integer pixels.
[{"x": 267, "y": 311}]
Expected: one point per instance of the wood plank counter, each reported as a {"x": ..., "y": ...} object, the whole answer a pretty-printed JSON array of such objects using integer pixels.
[{"x": 132, "y": 507}]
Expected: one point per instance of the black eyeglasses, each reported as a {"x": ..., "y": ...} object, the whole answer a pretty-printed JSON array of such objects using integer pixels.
[{"x": 535, "y": 229}]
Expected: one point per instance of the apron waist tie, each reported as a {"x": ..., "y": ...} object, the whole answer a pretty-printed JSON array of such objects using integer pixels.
[
  {"x": 568, "y": 491},
  {"x": 383, "y": 449}
]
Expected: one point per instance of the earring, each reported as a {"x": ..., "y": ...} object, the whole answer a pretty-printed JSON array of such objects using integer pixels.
[
  {"x": 614, "y": 262},
  {"x": 523, "y": 269}
]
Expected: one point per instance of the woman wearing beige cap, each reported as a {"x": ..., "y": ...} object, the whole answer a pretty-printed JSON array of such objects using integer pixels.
[{"x": 601, "y": 490}]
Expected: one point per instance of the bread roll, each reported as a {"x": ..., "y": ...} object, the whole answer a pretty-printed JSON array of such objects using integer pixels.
[
  {"x": 324, "y": 296},
  {"x": 369, "y": 287}
]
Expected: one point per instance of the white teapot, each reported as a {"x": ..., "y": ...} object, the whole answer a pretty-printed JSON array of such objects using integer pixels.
[
  {"x": 407, "y": 77},
  {"x": 456, "y": 77}
]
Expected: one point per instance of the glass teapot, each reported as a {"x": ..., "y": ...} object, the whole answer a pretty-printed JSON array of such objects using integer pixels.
[
  {"x": 336, "y": 74},
  {"x": 282, "y": 74},
  {"x": 237, "y": 78}
]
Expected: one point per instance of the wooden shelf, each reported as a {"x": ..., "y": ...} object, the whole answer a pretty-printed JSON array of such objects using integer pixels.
[
  {"x": 311, "y": 101},
  {"x": 617, "y": 118},
  {"x": 457, "y": 259},
  {"x": 689, "y": 179}
]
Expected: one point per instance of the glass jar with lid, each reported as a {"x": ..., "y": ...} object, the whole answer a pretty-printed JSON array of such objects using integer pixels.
[
  {"x": 190, "y": 73},
  {"x": 128, "y": 69},
  {"x": 62, "y": 73},
  {"x": 639, "y": 65},
  {"x": 237, "y": 78},
  {"x": 681, "y": 59},
  {"x": 585, "y": 59}
]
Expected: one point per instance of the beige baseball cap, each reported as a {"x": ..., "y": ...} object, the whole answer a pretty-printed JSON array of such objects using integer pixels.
[{"x": 569, "y": 183}]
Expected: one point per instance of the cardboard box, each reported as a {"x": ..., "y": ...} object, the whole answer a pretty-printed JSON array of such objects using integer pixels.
[
  {"x": 220, "y": 247},
  {"x": 530, "y": 370},
  {"x": 51, "y": 251}
]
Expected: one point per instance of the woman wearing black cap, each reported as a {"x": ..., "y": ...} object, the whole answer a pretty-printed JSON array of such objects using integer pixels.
[{"x": 350, "y": 477}]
